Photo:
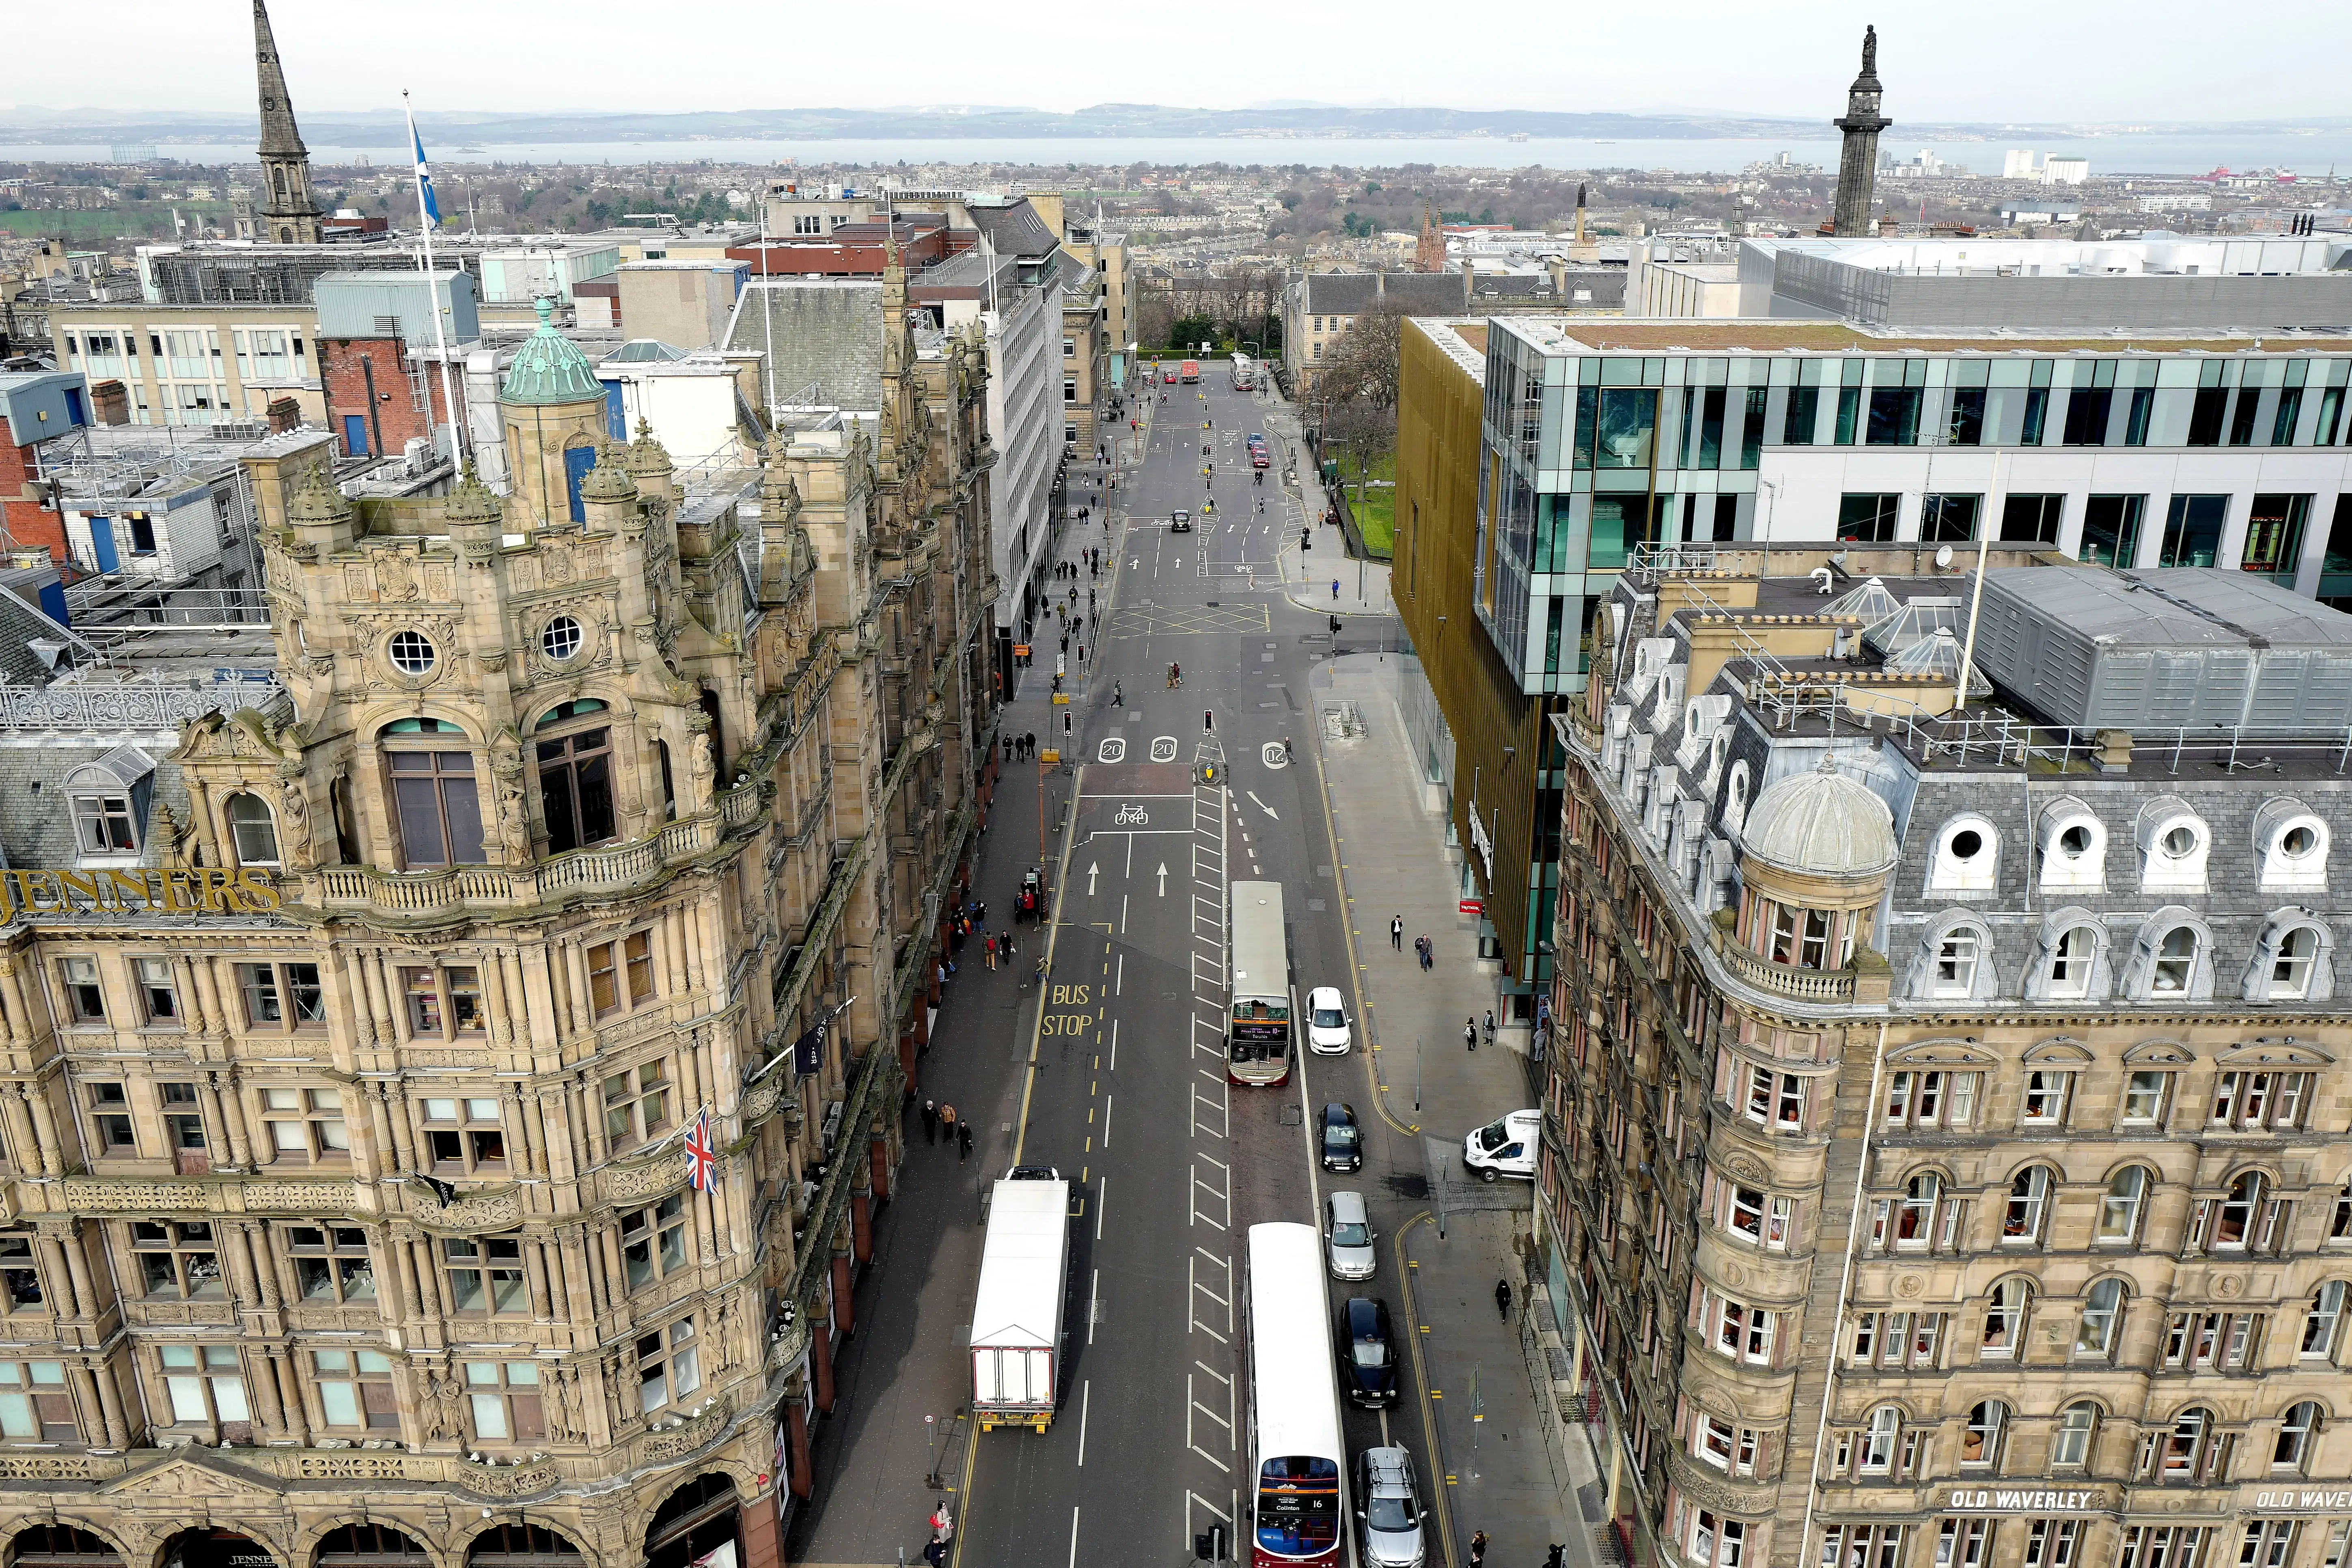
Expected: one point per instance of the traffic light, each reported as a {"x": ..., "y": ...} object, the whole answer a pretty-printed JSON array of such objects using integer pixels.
[{"x": 1335, "y": 625}]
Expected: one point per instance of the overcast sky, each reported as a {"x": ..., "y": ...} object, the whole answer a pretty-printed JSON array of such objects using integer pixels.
[{"x": 2001, "y": 60}]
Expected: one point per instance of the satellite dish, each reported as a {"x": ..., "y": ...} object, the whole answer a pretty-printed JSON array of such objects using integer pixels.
[{"x": 1943, "y": 557}]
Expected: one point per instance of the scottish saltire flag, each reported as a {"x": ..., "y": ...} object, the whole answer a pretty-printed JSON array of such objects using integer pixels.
[
  {"x": 703, "y": 1172},
  {"x": 425, "y": 179}
]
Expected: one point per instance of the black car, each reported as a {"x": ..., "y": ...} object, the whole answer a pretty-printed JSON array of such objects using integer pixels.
[
  {"x": 1343, "y": 1141},
  {"x": 1367, "y": 1352}
]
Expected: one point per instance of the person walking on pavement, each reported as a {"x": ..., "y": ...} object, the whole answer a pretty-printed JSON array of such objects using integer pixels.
[
  {"x": 1490, "y": 1025},
  {"x": 992, "y": 953},
  {"x": 1004, "y": 945},
  {"x": 947, "y": 1121},
  {"x": 1478, "y": 1550},
  {"x": 1117, "y": 700},
  {"x": 1335, "y": 590},
  {"x": 1470, "y": 1034},
  {"x": 930, "y": 1121},
  {"x": 1503, "y": 1299},
  {"x": 964, "y": 1142},
  {"x": 1396, "y": 932}
]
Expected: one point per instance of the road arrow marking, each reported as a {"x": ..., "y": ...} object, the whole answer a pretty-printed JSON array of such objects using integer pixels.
[
  {"x": 1090, "y": 878},
  {"x": 1262, "y": 805},
  {"x": 1163, "y": 879}
]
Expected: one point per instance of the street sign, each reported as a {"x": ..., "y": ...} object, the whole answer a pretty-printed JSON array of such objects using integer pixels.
[
  {"x": 1020, "y": 650},
  {"x": 1060, "y": 698},
  {"x": 1473, "y": 906}
]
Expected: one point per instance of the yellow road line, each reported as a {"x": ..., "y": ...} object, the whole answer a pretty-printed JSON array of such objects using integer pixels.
[
  {"x": 1443, "y": 1501},
  {"x": 1355, "y": 962}
]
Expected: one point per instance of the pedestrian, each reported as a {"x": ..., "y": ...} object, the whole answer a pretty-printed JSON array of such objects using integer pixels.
[
  {"x": 1066, "y": 642},
  {"x": 991, "y": 949},
  {"x": 1479, "y": 1549},
  {"x": 947, "y": 1121},
  {"x": 1335, "y": 590},
  {"x": 1556, "y": 1557},
  {"x": 1029, "y": 740},
  {"x": 1004, "y": 944},
  {"x": 1008, "y": 748},
  {"x": 1470, "y": 1034},
  {"x": 1490, "y": 1025},
  {"x": 1503, "y": 1299},
  {"x": 1117, "y": 699},
  {"x": 964, "y": 1142},
  {"x": 930, "y": 1121},
  {"x": 980, "y": 911},
  {"x": 1396, "y": 932}
]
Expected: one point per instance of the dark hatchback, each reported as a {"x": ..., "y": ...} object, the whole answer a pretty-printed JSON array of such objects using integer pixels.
[
  {"x": 1343, "y": 1141},
  {"x": 1367, "y": 1352}
]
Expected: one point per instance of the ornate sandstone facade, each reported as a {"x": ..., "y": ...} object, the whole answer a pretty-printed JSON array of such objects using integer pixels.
[{"x": 350, "y": 1062}]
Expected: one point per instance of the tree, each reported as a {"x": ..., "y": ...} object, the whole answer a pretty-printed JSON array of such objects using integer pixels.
[{"x": 1362, "y": 366}]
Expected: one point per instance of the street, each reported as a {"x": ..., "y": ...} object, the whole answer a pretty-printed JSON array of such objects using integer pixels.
[{"x": 1114, "y": 1074}]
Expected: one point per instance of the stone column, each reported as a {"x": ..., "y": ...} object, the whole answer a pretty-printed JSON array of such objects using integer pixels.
[
  {"x": 845, "y": 1307},
  {"x": 61, "y": 1271},
  {"x": 45, "y": 1129},
  {"x": 24, "y": 1147},
  {"x": 230, "y": 1106},
  {"x": 289, "y": 1385},
  {"x": 110, "y": 1404}
]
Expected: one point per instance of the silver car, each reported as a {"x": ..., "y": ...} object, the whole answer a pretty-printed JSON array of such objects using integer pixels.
[
  {"x": 1348, "y": 1231},
  {"x": 1387, "y": 1513}
]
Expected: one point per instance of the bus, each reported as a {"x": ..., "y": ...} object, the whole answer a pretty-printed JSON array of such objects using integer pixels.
[
  {"x": 1257, "y": 978},
  {"x": 1297, "y": 1462}
]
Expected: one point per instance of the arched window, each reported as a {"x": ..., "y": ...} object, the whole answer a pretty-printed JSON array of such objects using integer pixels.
[
  {"x": 2029, "y": 1197},
  {"x": 2071, "y": 959},
  {"x": 2192, "y": 1450},
  {"x": 2121, "y": 1205},
  {"x": 575, "y": 777},
  {"x": 370, "y": 1546},
  {"x": 1878, "y": 1440},
  {"x": 1735, "y": 797},
  {"x": 2102, "y": 1315},
  {"x": 2006, "y": 1310},
  {"x": 433, "y": 793},
  {"x": 2070, "y": 1441},
  {"x": 2175, "y": 962},
  {"x": 1955, "y": 963},
  {"x": 2297, "y": 1429},
  {"x": 1914, "y": 1215},
  {"x": 252, "y": 831},
  {"x": 1980, "y": 1442},
  {"x": 1800, "y": 937},
  {"x": 60, "y": 1546},
  {"x": 2291, "y": 964},
  {"x": 2323, "y": 1323},
  {"x": 2234, "y": 1221}
]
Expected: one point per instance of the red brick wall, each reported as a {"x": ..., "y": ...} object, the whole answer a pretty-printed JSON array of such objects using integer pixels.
[
  {"x": 394, "y": 418},
  {"x": 28, "y": 524}
]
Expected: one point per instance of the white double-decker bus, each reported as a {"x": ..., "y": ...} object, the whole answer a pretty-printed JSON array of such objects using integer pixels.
[
  {"x": 1296, "y": 1457},
  {"x": 1258, "y": 977}
]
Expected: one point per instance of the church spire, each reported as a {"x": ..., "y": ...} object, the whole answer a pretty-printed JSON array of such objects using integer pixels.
[
  {"x": 288, "y": 214},
  {"x": 1858, "y": 161}
]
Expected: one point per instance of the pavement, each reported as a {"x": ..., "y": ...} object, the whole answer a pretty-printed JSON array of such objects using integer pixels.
[{"x": 1114, "y": 1074}]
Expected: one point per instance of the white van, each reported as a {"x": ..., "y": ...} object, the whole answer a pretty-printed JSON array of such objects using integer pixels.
[{"x": 1505, "y": 1148}]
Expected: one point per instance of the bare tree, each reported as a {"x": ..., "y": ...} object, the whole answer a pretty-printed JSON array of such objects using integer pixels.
[{"x": 1363, "y": 365}]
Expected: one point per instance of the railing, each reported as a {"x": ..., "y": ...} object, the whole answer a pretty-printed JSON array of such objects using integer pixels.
[
  {"x": 582, "y": 871},
  {"x": 1805, "y": 985},
  {"x": 127, "y": 705}
]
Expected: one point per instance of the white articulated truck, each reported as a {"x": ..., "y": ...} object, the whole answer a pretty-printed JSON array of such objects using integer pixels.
[{"x": 1016, "y": 1321}]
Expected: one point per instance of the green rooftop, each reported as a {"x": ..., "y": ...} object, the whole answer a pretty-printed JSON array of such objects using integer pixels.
[{"x": 549, "y": 368}]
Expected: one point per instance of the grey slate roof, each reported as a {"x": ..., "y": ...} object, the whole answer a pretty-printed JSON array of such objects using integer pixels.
[
  {"x": 1352, "y": 293},
  {"x": 827, "y": 332},
  {"x": 1014, "y": 228}
]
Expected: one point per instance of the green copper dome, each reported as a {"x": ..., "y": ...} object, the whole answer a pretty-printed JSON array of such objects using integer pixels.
[{"x": 549, "y": 368}]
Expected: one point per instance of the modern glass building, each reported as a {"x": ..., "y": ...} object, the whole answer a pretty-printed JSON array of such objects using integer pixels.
[{"x": 1603, "y": 438}]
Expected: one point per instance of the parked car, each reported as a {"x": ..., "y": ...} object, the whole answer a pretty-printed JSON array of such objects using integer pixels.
[
  {"x": 1348, "y": 1230},
  {"x": 1343, "y": 1141},
  {"x": 1388, "y": 1510},
  {"x": 1368, "y": 1364},
  {"x": 1505, "y": 1148},
  {"x": 1327, "y": 1021}
]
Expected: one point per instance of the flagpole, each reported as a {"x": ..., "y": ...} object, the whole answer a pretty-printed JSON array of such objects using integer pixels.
[{"x": 457, "y": 444}]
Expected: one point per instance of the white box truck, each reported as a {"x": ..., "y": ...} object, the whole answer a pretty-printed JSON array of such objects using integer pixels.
[{"x": 1016, "y": 1321}]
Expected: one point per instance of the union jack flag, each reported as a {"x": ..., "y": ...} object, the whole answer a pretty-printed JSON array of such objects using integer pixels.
[{"x": 703, "y": 1172}]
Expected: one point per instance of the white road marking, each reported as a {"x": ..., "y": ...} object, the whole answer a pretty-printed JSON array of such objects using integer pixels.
[
  {"x": 1086, "y": 1402},
  {"x": 1106, "y": 1100},
  {"x": 1102, "y": 1198},
  {"x": 1094, "y": 1311},
  {"x": 1073, "y": 1535},
  {"x": 1261, "y": 807},
  {"x": 1163, "y": 889},
  {"x": 1114, "y": 1022}
]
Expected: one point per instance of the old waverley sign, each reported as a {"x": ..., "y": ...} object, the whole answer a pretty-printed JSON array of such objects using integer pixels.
[
  {"x": 139, "y": 890},
  {"x": 2027, "y": 1499}
]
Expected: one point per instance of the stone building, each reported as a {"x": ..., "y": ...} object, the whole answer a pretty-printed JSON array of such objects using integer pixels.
[
  {"x": 362, "y": 1036},
  {"x": 1946, "y": 1156}
]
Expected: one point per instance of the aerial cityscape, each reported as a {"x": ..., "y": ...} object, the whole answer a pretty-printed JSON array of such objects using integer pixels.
[{"x": 1706, "y": 939}]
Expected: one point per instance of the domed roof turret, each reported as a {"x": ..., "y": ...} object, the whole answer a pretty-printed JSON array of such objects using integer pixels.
[
  {"x": 1821, "y": 824},
  {"x": 549, "y": 368},
  {"x": 605, "y": 480}
]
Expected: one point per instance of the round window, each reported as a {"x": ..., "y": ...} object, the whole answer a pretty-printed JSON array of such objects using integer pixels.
[
  {"x": 2075, "y": 839},
  {"x": 560, "y": 638},
  {"x": 1967, "y": 844},
  {"x": 2298, "y": 841},
  {"x": 411, "y": 653},
  {"x": 2181, "y": 841}
]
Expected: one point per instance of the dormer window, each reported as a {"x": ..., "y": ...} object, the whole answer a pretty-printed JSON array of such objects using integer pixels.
[
  {"x": 1967, "y": 857},
  {"x": 2294, "y": 845},
  {"x": 108, "y": 800},
  {"x": 2073, "y": 849},
  {"x": 2174, "y": 842},
  {"x": 575, "y": 780},
  {"x": 252, "y": 830}
]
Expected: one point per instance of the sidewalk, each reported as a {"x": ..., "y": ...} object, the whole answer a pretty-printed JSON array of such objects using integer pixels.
[
  {"x": 1515, "y": 1473},
  {"x": 1306, "y": 573}
]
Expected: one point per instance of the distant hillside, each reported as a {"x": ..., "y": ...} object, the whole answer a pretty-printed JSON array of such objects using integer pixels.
[{"x": 382, "y": 127}]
